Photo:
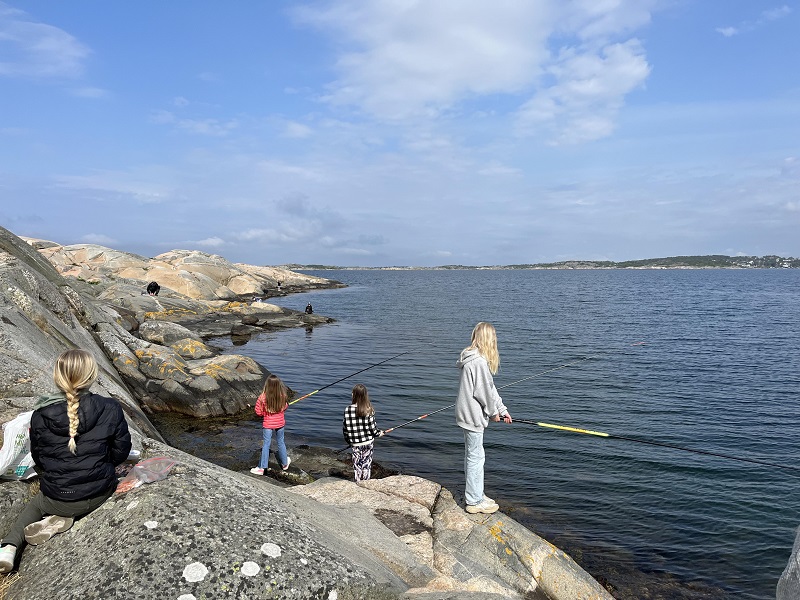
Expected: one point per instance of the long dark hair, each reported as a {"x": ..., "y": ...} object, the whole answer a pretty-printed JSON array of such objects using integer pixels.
[
  {"x": 275, "y": 394},
  {"x": 361, "y": 400}
]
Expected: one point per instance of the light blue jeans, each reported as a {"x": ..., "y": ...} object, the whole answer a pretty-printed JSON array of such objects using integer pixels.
[
  {"x": 282, "y": 456},
  {"x": 474, "y": 457}
]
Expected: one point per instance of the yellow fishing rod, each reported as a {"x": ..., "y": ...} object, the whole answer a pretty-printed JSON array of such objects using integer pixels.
[
  {"x": 347, "y": 377},
  {"x": 433, "y": 412},
  {"x": 652, "y": 443}
]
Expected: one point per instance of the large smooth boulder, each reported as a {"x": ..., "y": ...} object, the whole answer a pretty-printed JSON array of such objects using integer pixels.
[
  {"x": 188, "y": 273},
  {"x": 461, "y": 553},
  {"x": 209, "y": 533},
  {"x": 40, "y": 317}
]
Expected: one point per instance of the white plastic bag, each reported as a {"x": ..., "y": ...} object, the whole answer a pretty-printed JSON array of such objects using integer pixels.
[{"x": 15, "y": 455}]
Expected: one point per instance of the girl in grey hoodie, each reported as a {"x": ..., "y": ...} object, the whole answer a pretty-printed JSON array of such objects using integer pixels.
[{"x": 477, "y": 402}]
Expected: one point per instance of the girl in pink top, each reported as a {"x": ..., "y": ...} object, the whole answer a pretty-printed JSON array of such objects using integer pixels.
[{"x": 272, "y": 405}]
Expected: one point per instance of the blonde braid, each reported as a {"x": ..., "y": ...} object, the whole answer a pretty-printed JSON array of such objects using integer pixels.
[
  {"x": 74, "y": 372},
  {"x": 73, "y": 402}
]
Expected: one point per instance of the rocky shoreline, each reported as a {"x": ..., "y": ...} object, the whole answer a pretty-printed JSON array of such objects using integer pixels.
[{"x": 207, "y": 531}]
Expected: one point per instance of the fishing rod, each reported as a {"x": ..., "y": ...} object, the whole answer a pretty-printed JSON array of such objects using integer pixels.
[
  {"x": 426, "y": 415},
  {"x": 574, "y": 362},
  {"x": 503, "y": 386},
  {"x": 347, "y": 377},
  {"x": 652, "y": 443}
]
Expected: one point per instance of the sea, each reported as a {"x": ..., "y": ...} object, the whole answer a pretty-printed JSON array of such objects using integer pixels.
[{"x": 705, "y": 360}]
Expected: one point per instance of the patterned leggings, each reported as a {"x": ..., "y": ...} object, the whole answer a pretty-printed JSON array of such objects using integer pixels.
[{"x": 362, "y": 461}]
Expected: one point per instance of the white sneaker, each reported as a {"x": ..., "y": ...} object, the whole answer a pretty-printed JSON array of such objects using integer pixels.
[
  {"x": 490, "y": 501},
  {"x": 7, "y": 555},
  {"x": 41, "y": 531},
  {"x": 257, "y": 471},
  {"x": 484, "y": 507},
  {"x": 288, "y": 462}
]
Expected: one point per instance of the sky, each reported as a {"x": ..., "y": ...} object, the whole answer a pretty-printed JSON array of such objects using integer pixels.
[{"x": 404, "y": 132}]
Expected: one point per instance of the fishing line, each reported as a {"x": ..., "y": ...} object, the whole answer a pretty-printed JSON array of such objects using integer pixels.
[
  {"x": 561, "y": 367},
  {"x": 426, "y": 415},
  {"x": 652, "y": 443},
  {"x": 347, "y": 377}
]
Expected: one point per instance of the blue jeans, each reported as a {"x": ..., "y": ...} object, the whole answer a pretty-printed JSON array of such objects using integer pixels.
[
  {"x": 474, "y": 457},
  {"x": 282, "y": 455}
]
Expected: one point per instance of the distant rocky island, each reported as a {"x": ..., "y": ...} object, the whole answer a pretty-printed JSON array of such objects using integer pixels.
[{"x": 711, "y": 261}]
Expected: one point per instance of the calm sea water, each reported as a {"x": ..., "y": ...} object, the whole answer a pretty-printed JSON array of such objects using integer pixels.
[{"x": 718, "y": 371}]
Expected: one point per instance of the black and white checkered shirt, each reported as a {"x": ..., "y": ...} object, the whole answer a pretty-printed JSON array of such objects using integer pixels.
[{"x": 358, "y": 430}]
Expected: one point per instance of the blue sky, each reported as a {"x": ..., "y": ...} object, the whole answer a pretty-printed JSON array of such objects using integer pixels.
[{"x": 403, "y": 132}]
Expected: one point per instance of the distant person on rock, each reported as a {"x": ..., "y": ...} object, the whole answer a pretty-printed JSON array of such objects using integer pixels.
[
  {"x": 477, "y": 402},
  {"x": 309, "y": 309},
  {"x": 271, "y": 406},
  {"x": 153, "y": 288},
  {"x": 279, "y": 285},
  {"x": 360, "y": 431},
  {"x": 77, "y": 440}
]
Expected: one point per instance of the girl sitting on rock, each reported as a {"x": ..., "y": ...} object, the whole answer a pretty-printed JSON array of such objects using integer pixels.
[
  {"x": 272, "y": 405},
  {"x": 360, "y": 431},
  {"x": 77, "y": 440}
]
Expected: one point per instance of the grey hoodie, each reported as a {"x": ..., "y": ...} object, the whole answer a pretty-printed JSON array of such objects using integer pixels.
[{"x": 478, "y": 399}]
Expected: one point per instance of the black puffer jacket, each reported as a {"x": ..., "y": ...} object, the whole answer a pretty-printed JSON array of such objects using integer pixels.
[{"x": 103, "y": 442}]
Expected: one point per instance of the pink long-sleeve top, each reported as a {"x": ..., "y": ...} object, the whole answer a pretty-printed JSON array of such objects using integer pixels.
[{"x": 271, "y": 420}]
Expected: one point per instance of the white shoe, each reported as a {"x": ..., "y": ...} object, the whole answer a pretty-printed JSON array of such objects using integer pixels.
[
  {"x": 7, "y": 555},
  {"x": 288, "y": 462},
  {"x": 484, "y": 507},
  {"x": 257, "y": 471},
  {"x": 41, "y": 531},
  {"x": 490, "y": 501}
]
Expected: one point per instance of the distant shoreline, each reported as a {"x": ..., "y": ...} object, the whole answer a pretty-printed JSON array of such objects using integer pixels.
[{"x": 672, "y": 262}]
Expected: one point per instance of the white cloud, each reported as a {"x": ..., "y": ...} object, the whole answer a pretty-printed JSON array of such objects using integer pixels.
[
  {"x": 589, "y": 91},
  {"x": 413, "y": 59},
  {"x": 210, "y": 127},
  {"x": 180, "y": 101},
  {"x": 162, "y": 117},
  {"x": 284, "y": 168},
  {"x": 38, "y": 50},
  {"x": 99, "y": 239},
  {"x": 410, "y": 58},
  {"x": 90, "y": 92},
  {"x": 121, "y": 186},
  {"x": 297, "y": 130},
  {"x": 209, "y": 77},
  {"x": 497, "y": 169},
  {"x": 775, "y": 13},
  {"x": 765, "y": 17},
  {"x": 271, "y": 236},
  {"x": 212, "y": 242},
  {"x": 727, "y": 31}
]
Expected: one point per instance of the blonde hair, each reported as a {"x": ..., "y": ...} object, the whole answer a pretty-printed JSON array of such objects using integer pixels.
[
  {"x": 275, "y": 394},
  {"x": 361, "y": 400},
  {"x": 484, "y": 340},
  {"x": 74, "y": 372}
]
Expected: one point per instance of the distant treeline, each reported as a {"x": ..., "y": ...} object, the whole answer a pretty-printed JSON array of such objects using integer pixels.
[{"x": 713, "y": 261}]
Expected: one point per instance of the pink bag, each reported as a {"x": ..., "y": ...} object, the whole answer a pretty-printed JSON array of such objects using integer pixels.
[{"x": 146, "y": 471}]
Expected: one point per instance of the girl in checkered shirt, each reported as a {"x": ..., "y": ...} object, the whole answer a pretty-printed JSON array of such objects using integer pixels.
[{"x": 360, "y": 431}]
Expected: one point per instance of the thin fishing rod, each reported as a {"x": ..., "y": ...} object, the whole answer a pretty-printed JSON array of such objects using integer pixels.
[
  {"x": 417, "y": 419},
  {"x": 557, "y": 368},
  {"x": 651, "y": 443},
  {"x": 347, "y": 377},
  {"x": 500, "y": 388}
]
